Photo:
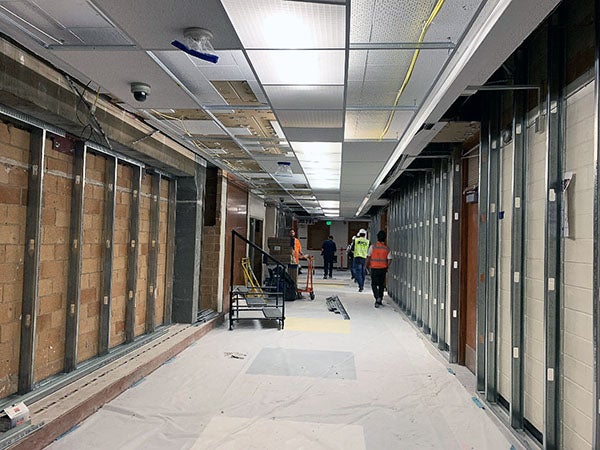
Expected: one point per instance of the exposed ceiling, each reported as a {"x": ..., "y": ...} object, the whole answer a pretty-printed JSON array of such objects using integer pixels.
[{"x": 339, "y": 89}]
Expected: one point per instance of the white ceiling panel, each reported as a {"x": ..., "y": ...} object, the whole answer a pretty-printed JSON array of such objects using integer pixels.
[
  {"x": 310, "y": 118},
  {"x": 317, "y": 67},
  {"x": 367, "y": 151},
  {"x": 306, "y": 97},
  {"x": 370, "y": 124},
  {"x": 452, "y": 19},
  {"x": 154, "y": 24},
  {"x": 285, "y": 24},
  {"x": 314, "y": 134},
  {"x": 378, "y": 20}
]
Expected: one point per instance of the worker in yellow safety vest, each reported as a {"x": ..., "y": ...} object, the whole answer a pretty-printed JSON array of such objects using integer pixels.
[
  {"x": 360, "y": 248},
  {"x": 378, "y": 261}
]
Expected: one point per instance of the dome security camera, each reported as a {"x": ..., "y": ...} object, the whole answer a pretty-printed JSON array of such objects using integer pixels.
[{"x": 140, "y": 91}]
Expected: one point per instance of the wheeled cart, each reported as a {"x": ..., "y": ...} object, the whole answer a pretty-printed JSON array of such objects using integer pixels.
[{"x": 309, "y": 279}]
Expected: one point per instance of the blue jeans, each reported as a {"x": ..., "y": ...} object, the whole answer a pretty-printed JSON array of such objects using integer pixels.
[{"x": 358, "y": 270}]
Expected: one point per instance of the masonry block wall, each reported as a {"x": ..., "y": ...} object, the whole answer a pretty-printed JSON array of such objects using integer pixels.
[
  {"x": 142, "y": 283},
  {"x": 55, "y": 245},
  {"x": 14, "y": 157},
  {"x": 120, "y": 252},
  {"x": 211, "y": 270},
  {"x": 54, "y": 256},
  {"x": 576, "y": 339}
]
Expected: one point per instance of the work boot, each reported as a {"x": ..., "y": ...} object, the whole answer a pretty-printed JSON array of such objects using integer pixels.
[
  {"x": 377, "y": 305},
  {"x": 378, "y": 302},
  {"x": 360, "y": 289}
]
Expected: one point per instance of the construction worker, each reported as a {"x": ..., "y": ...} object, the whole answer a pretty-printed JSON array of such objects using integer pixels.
[
  {"x": 378, "y": 261},
  {"x": 361, "y": 248},
  {"x": 296, "y": 249}
]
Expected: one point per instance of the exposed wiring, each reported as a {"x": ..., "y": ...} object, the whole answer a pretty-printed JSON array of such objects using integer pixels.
[{"x": 434, "y": 13}]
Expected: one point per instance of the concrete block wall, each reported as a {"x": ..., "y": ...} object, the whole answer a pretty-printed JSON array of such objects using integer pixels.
[
  {"x": 54, "y": 265},
  {"x": 213, "y": 238},
  {"x": 91, "y": 264},
  {"x": 142, "y": 282},
  {"x": 162, "y": 252},
  {"x": 14, "y": 158},
  {"x": 533, "y": 345},
  {"x": 576, "y": 337},
  {"x": 120, "y": 255},
  {"x": 504, "y": 277}
]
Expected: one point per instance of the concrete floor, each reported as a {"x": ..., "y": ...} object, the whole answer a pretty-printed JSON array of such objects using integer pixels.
[{"x": 371, "y": 382}]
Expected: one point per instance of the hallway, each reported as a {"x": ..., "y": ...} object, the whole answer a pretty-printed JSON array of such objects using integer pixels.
[{"x": 371, "y": 382}]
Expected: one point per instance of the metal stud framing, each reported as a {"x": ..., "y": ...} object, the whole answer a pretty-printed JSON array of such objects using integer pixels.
[
  {"x": 153, "y": 254},
  {"x": 517, "y": 247},
  {"x": 435, "y": 252},
  {"x": 420, "y": 197},
  {"x": 455, "y": 254},
  {"x": 415, "y": 250},
  {"x": 170, "y": 252},
  {"x": 482, "y": 271},
  {"x": 554, "y": 136},
  {"x": 427, "y": 253},
  {"x": 442, "y": 289},
  {"x": 31, "y": 260},
  {"x": 491, "y": 295},
  {"x": 75, "y": 247},
  {"x": 108, "y": 228},
  {"x": 133, "y": 253},
  {"x": 596, "y": 273}
]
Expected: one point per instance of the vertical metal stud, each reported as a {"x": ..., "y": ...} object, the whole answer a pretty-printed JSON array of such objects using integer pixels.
[
  {"x": 596, "y": 273},
  {"x": 442, "y": 288},
  {"x": 427, "y": 253},
  {"x": 482, "y": 267},
  {"x": 153, "y": 253},
  {"x": 554, "y": 142},
  {"x": 491, "y": 295},
  {"x": 31, "y": 259},
  {"x": 75, "y": 256},
  {"x": 170, "y": 251},
  {"x": 415, "y": 250},
  {"x": 435, "y": 251},
  {"x": 133, "y": 254},
  {"x": 517, "y": 246},
  {"x": 108, "y": 229},
  {"x": 455, "y": 254},
  {"x": 419, "y": 195}
]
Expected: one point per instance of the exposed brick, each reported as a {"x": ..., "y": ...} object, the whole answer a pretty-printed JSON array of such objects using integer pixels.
[
  {"x": 10, "y": 195},
  {"x": 19, "y": 138},
  {"x": 50, "y": 303},
  {"x": 10, "y": 332}
]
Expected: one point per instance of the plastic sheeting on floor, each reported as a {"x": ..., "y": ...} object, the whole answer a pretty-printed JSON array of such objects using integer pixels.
[{"x": 377, "y": 385}]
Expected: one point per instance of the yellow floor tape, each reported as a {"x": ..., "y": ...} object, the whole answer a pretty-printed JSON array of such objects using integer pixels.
[{"x": 318, "y": 325}]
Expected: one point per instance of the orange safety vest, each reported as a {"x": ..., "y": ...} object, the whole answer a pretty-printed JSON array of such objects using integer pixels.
[{"x": 379, "y": 256}]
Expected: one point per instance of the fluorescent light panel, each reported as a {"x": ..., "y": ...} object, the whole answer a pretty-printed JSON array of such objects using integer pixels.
[{"x": 321, "y": 162}]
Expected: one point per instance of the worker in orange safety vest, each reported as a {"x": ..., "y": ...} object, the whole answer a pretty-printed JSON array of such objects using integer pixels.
[{"x": 378, "y": 261}]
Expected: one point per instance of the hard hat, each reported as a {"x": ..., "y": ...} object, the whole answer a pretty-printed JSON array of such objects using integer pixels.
[{"x": 362, "y": 231}]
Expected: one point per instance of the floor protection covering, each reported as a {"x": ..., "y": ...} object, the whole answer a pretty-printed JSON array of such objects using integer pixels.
[{"x": 377, "y": 386}]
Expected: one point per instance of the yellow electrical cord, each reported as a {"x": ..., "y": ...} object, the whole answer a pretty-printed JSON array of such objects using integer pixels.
[{"x": 436, "y": 10}]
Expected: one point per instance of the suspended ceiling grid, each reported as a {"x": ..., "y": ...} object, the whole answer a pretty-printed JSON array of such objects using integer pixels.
[{"x": 348, "y": 66}]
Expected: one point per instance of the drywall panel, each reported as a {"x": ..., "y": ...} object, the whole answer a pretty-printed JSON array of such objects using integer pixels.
[
  {"x": 577, "y": 266},
  {"x": 533, "y": 344},
  {"x": 505, "y": 205}
]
